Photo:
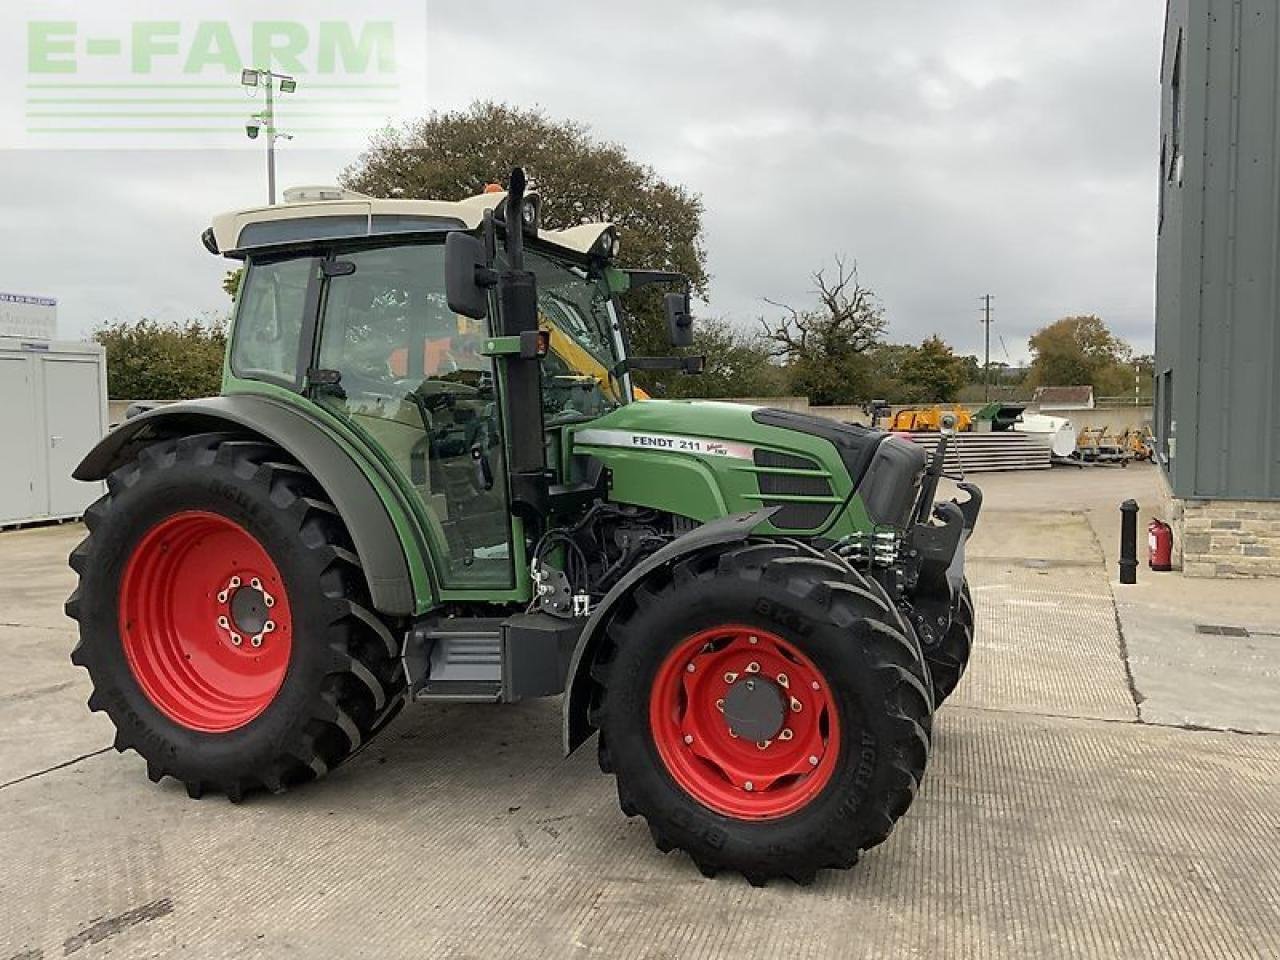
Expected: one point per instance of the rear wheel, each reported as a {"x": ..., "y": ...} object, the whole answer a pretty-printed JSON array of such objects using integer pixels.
[
  {"x": 224, "y": 619},
  {"x": 949, "y": 657},
  {"x": 763, "y": 711}
]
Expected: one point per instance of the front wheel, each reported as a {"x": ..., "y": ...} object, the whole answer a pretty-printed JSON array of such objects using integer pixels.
[{"x": 764, "y": 712}]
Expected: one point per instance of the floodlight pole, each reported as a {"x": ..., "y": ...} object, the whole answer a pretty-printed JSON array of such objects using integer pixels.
[
  {"x": 252, "y": 77},
  {"x": 271, "y": 144}
]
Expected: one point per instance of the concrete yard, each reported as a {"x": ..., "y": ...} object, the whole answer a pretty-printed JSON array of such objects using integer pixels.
[{"x": 1106, "y": 782}]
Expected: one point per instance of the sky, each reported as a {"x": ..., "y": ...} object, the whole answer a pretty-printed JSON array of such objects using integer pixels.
[{"x": 952, "y": 150}]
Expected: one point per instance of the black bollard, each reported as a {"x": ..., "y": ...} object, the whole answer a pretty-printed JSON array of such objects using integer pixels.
[{"x": 1129, "y": 541}]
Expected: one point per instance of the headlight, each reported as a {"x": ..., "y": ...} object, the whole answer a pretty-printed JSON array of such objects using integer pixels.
[{"x": 607, "y": 244}]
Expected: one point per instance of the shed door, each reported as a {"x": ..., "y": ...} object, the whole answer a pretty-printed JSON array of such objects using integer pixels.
[
  {"x": 20, "y": 427},
  {"x": 73, "y": 419}
]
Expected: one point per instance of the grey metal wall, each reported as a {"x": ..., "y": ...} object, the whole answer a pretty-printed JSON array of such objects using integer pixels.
[{"x": 1218, "y": 300}]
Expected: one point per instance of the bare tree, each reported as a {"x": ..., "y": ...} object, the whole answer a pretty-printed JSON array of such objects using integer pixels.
[
  {"x": 823, "y": 346},
  {"x": 849, "y": 320}
]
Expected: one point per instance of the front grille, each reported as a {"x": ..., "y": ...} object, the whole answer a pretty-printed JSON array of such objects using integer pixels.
[{"x": 793, "y": 516}]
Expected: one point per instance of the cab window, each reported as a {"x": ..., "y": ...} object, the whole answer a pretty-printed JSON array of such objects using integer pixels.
[{"x": 268, "y": 330}]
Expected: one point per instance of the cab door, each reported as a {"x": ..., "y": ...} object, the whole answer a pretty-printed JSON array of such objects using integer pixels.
[{"x": 409, "y": 377}]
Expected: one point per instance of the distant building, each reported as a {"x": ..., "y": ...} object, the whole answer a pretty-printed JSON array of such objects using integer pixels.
[
  {"x": 1063, "y": 398},
  {"x": 1217, "y": 410}
]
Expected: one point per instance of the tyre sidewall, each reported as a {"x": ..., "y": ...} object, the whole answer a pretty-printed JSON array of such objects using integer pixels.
[
  {"x": 242, "y": 495},
  {"x": 837, "y": 819}
]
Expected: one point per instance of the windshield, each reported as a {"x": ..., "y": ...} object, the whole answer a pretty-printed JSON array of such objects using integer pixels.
[{"x": 581, "y": 374}]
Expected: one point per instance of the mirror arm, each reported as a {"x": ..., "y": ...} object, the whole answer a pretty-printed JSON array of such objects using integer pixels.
[{"x": 645, "y": 278}]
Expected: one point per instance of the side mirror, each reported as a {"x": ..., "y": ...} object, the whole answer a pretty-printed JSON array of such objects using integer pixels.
[
  {"x": 679, "y": 319},
  {"x": 467, "y": 276}
]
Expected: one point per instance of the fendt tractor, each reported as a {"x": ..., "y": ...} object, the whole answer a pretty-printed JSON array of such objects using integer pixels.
[{"x": 428, "y": 478}]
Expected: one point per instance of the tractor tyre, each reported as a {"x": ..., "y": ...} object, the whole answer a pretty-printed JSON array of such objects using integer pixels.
[
  {"x": 225, "y": 621},
  {"x": 949, "y": 658},
  {"x": 763, "y": 711}
]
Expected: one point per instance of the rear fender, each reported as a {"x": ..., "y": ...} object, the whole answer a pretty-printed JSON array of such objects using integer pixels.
[
  {"x": 377, "y": 543},
  {"x": 730, "y": 529}
]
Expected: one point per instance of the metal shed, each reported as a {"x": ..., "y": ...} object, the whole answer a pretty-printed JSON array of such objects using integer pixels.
[
  {"x": 53, "y": 409},
  {"x": 1218, "y": 305}
]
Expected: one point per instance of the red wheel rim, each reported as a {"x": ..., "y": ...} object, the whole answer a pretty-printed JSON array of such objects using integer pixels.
[
  {"x": 729, "y": 773},
  {"x": 205, "y": 621}
]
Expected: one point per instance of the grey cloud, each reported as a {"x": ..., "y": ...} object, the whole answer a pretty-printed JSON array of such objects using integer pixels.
[{"x": 1002, "y": 146}]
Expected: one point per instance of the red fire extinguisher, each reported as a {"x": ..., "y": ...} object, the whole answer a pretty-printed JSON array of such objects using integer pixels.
[{"x": 1159, "y": 545}]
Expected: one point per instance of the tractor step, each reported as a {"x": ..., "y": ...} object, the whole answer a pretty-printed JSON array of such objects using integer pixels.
[
  {"x": 463, "y": 660},
  {"x": 489, "y": 659}
]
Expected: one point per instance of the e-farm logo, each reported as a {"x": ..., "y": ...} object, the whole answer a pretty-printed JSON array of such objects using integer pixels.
[{"x": 328, "y": 76}]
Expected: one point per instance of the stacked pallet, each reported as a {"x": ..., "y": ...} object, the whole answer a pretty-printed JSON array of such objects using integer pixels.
[{"x": 989, "y": 452}]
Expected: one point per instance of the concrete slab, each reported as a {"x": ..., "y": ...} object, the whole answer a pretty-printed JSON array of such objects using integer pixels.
[
  {"x": 1033, "y": 837},
  {"x": 37, "y": 579},
  {"x": 1019, "y": 536},
  {"x": 43, "y": 718},
  {"x": 1050, "y": 823},
  {"x": 1184, "y": 677},
  {"x": 1046, "y": 642}
]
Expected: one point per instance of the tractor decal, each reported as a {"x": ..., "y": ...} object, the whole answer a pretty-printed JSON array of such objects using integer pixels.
[{"x": 665, "y": 441}]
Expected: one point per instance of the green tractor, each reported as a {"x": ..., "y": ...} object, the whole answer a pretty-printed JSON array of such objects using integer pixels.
[{"x": 429, "y": 477}]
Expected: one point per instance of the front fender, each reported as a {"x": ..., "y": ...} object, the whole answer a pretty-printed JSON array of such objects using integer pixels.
[
  {"x": 731, "y": 529},
  {"x": 373, "y": 531}
]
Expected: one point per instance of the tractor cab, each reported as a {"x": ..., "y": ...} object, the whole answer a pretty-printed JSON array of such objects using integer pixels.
[{"x": 344, "y": 303}]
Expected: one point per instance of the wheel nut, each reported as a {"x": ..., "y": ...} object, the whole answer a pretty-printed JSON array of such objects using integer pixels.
[
  {"x": 813, "y": 761},
  {"x": 753, "y": 667},
  {"x": 235, "y": 582},
  {"x": 796, "y": 705},
  {"x": 256, "y": 640},
  {"x": 255, "y": 583},
  {"x": 720, "y": 705},
  {"x": 236, "y": 639},
  {"x": 785, "y": 735},
  {"x": 269, "y": 626},
  {"x": 224, "y": 622},
  {"x": 748, "y": 786},
  {"x": 782, "y": 680},
  {"x": 269, "y": 600},
  {"x": 762, "y": 744},
  {"x": 730, "y": 677},
  {"x": 222, "y": 597}
]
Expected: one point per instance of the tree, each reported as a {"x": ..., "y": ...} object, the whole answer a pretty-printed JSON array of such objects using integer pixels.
[
  {"x": 886, "y": 361},
  {"x": 453, "y": 155},
  {"x": 825, "y": 347},
  {"x": 151, "y": 360},
  {"x": 931, "y": 373},
  {"x": 231, "y": 282},
  {"x": 739, "y": 364},
  {"x": 1075, "y": 351}
]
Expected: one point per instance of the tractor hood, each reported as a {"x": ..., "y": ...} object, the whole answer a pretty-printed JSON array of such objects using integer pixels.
[{"x": 702, "y": 459}]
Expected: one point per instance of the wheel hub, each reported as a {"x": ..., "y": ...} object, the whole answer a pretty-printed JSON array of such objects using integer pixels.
[
  {"x": 744, "y": 722},
  {"x": 244, "y": 610},
  {"x": 755, "y": 709}
]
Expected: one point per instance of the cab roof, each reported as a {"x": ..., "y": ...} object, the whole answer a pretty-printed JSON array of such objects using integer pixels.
[{"x": 325, "y": 213}]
